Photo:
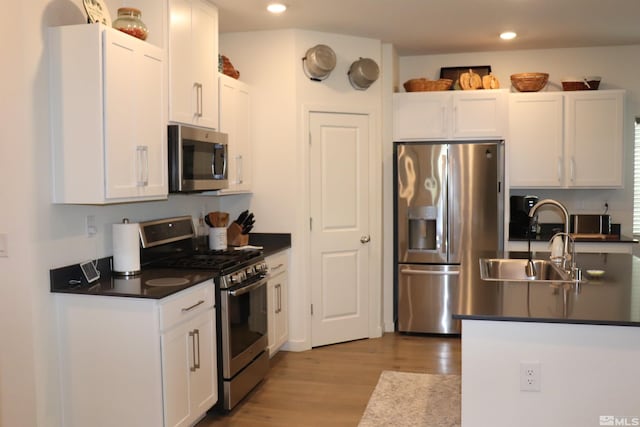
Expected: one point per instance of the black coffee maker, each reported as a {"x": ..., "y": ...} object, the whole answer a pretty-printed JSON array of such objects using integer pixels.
[{"x": 519, "y": 222}]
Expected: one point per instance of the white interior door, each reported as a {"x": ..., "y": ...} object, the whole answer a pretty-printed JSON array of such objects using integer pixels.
[{"x": 339, "y": 205}]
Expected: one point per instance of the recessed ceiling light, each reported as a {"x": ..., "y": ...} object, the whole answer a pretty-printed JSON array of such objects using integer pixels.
[
  {"x": 276, "y": 8},
  {"x": 508, "y": 35}
]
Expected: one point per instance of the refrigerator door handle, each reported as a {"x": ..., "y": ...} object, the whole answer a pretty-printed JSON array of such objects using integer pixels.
[
  {"x": 451, "y": 220},
  {"x": 430, "y": 272}
]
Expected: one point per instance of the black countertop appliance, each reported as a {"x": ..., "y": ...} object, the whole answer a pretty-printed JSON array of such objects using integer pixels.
[{"x": 519, "y": 220}]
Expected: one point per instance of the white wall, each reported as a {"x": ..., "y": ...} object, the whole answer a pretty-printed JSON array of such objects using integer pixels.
[
  {"x": 618, "y": 68},
  {"x": 271, "y": 63},
  {"x": 41, "y": 235},
  {"x": 586, "y": 371}
]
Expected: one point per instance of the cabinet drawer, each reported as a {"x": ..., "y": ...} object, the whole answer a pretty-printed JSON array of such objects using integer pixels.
[
  {"x": 278, "y": 263},
  {"x": 185, "y": 304}
]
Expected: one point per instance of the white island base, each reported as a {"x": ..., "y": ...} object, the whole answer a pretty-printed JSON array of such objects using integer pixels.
[{"x": 586, "y": 372}]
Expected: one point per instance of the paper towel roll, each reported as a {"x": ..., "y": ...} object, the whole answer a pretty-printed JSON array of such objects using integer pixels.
[{"x": 126, "y": 248}]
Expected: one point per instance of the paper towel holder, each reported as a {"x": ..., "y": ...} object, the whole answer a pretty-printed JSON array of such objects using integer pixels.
[{"x": 131, "y": 267}]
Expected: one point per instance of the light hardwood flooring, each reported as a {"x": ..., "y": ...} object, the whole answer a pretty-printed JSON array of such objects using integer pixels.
[{"x": 331, "y": 385}]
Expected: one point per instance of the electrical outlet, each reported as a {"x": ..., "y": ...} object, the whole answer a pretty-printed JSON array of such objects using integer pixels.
[{"x": 530, "y": 375}]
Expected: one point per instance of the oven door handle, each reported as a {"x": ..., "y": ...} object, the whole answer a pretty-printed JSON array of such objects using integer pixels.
[{"x": 249, "y": 288}]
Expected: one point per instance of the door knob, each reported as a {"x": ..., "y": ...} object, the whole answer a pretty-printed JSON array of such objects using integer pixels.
[{"x": 365, "y": 239}]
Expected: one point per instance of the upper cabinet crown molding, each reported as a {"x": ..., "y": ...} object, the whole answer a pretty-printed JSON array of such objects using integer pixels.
[
  {"x": 193, "y": 63},
  {"x": 566, "y": 139},
  {"x": 108, "y": 116},
  {"x": 449, "y": 115}
]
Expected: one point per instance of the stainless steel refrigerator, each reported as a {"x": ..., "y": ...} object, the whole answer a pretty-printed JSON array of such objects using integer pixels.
[{"x": 448, "y": 211}]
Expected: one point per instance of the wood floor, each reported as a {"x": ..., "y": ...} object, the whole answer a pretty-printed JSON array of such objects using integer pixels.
[{"x": 331, "y": 385}]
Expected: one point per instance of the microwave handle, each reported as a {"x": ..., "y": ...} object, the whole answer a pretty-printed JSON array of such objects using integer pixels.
[{"x": 224, "y": 163}]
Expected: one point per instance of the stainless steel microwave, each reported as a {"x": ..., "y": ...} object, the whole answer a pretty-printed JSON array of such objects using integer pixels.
[{"x": 197, "y": 159}]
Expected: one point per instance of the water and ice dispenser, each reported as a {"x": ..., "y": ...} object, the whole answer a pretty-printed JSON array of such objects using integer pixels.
[{"x": 423, "y": 228}]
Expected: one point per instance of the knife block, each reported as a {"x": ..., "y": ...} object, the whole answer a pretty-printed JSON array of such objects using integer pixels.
[{"x": 235, "y": 236}]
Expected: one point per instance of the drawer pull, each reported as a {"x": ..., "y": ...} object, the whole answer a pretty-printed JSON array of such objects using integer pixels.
[
  {"x": 193, "y": 306},
  {"x": 277, "y": 267}
]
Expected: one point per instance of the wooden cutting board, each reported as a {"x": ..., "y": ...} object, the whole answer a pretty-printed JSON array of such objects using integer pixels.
[{"x": 599, "y": 236}]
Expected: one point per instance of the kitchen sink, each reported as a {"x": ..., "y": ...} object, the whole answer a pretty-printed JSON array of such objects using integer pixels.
[{"x": 514, "y": 270}]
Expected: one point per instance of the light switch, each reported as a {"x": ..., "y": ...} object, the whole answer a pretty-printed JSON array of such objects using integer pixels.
[
  {"x": 90, "y": 225},
  {"x": 4, "y": 245}
]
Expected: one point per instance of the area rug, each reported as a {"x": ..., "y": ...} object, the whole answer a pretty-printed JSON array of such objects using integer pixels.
[{"x": 410, "y": 399}]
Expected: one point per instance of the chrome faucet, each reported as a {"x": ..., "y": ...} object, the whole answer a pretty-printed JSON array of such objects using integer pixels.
[
  {"x": 566, "y": 256},
  {"x": 565, "y": 214}
]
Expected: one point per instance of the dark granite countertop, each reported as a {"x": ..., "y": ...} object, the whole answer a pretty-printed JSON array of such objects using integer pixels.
[
  {"x": 613, "y": 299},
  {"x": 272, "y": 243},
  {"x": 69, "y": 280},
  {"x": 608, "y": 239}
]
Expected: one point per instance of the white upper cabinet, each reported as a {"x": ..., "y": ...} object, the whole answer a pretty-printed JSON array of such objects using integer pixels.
[
  {"x": 449, "y": 115},
  {"x": 108, "y": 116},
  {"x": 193, "y": 63},
  {"x": 235, "y": 121},
  {"x": 535, "y": 144},
  {"x": 566, "y": 139},
  {"x": 594, "y": 138}
]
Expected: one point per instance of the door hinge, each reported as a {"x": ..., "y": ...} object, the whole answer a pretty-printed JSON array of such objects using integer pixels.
[{"x": 312, "y": 309}]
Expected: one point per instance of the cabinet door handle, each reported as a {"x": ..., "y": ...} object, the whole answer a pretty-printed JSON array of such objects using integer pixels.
[
  {"x": 198, "y": 87},
  {"x": 559, "y": 169},
  {"x": 196, "y": 365},
  {"x": 185, "y": 309},
  {"x": 193, "y": 350},
  {"x": 142, "y": 159},
  {"x": 240, "y": 168},
  {"x": 279, "y": 292},
  {"x": 573, "y": 169}
]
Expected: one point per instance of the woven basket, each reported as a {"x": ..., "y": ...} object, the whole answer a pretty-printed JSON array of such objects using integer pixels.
[
  {"x": 529, "y": 82},
  {"x": 569, "y": 85},
  {"x": 424, "y": 85}
]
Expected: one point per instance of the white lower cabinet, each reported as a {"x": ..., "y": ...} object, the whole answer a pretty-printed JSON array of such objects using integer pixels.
[
  {"x": 137, "y": 361},
  {"x": 189, "y": 366},
  {"x": 277, "y": 297}
]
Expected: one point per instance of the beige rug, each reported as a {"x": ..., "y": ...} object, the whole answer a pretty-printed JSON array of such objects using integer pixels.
[{"x": 409, "y": 399}]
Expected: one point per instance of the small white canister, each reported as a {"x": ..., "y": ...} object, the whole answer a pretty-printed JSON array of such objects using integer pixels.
[{"x": 217, "y": 238}]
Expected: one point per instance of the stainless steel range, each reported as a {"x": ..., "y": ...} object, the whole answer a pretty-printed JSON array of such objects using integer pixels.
[{"x": 241, "y": 295}]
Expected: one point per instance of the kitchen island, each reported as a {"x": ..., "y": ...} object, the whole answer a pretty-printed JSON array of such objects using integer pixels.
[{"x": 583, "y": 341}]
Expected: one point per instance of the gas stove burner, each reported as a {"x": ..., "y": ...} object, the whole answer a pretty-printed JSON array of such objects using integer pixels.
[{"x": 167, "y": 281}]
